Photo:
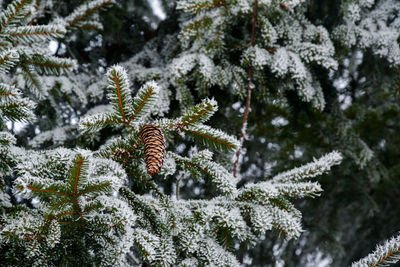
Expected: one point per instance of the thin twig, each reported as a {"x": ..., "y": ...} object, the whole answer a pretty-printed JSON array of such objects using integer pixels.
[
  {"x": 177, "y": 185},
  {"x": 248, "y": 87}
]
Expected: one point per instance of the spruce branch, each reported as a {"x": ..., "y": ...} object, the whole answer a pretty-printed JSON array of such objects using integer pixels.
[
  {"x": 144, "y": 101},
  {"x": 7, "y": 90},
  {"x": 89, "y": 25},
  {"x": 118, "y": 91},
  {"x": 29, "y": 34},
  {"x": 140, "y": 206},
  {"x": 94, "y": 123},
  {"x": 8, "y": 59},
  {"x": 138, "y": 176},
  {"x": 13, "y": 106},
  {"x": 50, "y": 65},
  {"x": 211, "y": 137},
  {"x": 7, "y": 139},
  {"x": 191, "y": 124},
  {"x": 75, "y": 192},
  {"x": 384, "y": 254},
  {"x": 199, "y": 113},
  {"x": 312, "y": 169},
  {"x": 202, "y": 163},
  {"x": 249, "y": 87},
  {"x": 121, "y": 147},
  {"x": 33, "y": 81},
  {"x": 85, "y": 10},
  {"x": 197, "y": 6},
  {"x": 14, "y": 13},
  {"x": 76, "y": 184},
  {"x": 75, "y": 175}
]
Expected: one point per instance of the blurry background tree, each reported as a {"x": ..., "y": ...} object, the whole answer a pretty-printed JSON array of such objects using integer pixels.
[{"x": 325, "y": 77}]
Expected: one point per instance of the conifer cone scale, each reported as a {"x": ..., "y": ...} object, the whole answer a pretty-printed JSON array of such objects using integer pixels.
[{"x": 154, "y": 147}]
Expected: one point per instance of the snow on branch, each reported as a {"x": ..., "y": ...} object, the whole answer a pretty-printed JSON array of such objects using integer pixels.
[
  {"x": 215, "y": 255},
  {"x": 147, "y": 244},
  {"x": 269, "y": 201},
  {"x": 289, "y": 46},
  {"x": 7, "y": 139},
  {"x": 33, "y": 81},
  {"x": 86, "y": 10},
  {"x": 318, "y": 167},
  {"x": 384, "y": 254},
  {"x": 29, "y": 34},
  {"x": 374, "y": 29},
  {"x": 8, "y": 59},
  {"x": 50, "y": 65},
  {"x": 14, "y": 13},
  {"x": 145, "y": 101},
  {"x": 212, "y": 137},
  {"x": 95, "y": 122},
  {"x": 202, "y": 163},
  {"x": 199, "y": 113},
  {"x": 119, "y": 92},
  {"x": 120, "y": 147},
  {"x": 13, "y": 106},
  {"x": 74, "y": 189},
  {"x": 7, "y": 90}
]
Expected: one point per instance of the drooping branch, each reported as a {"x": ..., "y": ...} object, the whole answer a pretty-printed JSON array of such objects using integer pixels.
[{"x": 248, "y": 87}]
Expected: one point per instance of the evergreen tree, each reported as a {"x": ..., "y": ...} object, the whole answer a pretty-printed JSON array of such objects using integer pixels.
[{"x": 105, "y": 174}]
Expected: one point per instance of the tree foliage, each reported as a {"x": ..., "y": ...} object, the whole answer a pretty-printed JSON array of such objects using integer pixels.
[{"x": 296, "y": 81}]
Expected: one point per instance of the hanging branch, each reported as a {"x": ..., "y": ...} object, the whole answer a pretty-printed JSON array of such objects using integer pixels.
[{"x": 248, "y": 87}]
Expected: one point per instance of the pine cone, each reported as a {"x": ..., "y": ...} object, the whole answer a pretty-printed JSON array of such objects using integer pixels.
[{"x": 154, "y": 147}]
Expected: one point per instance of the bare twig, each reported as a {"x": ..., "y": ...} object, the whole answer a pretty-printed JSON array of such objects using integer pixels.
[
  {"x": 177, "y": 185},
  {"x": 248, "y": 87}
]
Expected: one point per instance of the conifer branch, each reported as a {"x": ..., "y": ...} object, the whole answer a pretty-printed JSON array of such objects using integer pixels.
[
  {"x": 119, "y": 92},
  {"x": 29, "y": 34},
  {"x": 13, "y": 106},
  {"x": 78, "y": 163},
  {"x": 14, "y": 11},
  {"x": 121, "y": 147},
  {"x": 312, "y": 169},
  {"x": 60, "y": 203},
  {"x": 211, "y": 137},
  {"x": 199, "y": 113},
  {"x": 7, "y": 139},
  {"x": 33, "y": 80},
  {"x": 86, "y": 10},
  {"x": 89, "y": 25},
  {"x": 385, "y": 254},
  {"x": 7, "y": 90},
  {"x": 137, "y": 110},
  {"x": 8, "y": 59},
  {"x": 249, "y": 87},
  {"x": 119, "y": 97},
  {"x": 30, "y": 187},
  {"x": 96, "y": 122},
  {"x": 97, "y": 187},
  {"x": 144, "y": 101},
  {"x": 144, "y": 179},
  {"x": 141, "y": 206},
  {"x": 50, "y": 65},
  {"x": 202, "y": 162}
]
